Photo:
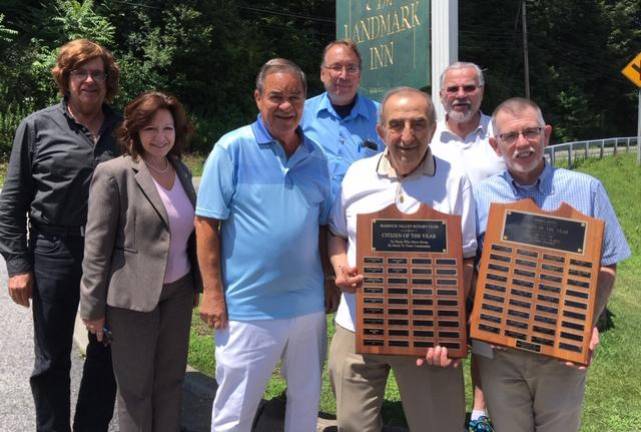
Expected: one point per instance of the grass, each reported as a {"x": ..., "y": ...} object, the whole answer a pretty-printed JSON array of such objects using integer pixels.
[
  {"x": 201, "y": 351},
  {"x": 195, "y": 162},
  {"x": 3, "y": 171},
  {"x": 613, "y": 396}
]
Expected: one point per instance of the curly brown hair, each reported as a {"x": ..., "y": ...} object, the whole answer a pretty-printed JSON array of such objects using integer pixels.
[
  {"x": 141, "y": 111},
  {"x": 79, "y": 51}
]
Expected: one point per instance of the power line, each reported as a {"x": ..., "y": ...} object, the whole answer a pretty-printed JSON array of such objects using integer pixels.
[
  {"x": 135, "y": 4},
  {"x": 275, "y": 26},
  {"x": 290, "y": 14}
]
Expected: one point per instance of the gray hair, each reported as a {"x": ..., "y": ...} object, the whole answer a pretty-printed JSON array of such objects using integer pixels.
[
  {"x": 464, "y": 65},
  {"x": 431, "y": 113},
  {"x": 276, "y": 65},
  {"x": 516, "y": 106}
]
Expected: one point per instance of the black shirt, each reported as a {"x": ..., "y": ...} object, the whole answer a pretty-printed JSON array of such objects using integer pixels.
[
  {"x": 344, "y": 110},
  {"x": 50, "y": 169}
]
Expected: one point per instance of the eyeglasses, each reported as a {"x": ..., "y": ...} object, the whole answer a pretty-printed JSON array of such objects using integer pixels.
[
  {"x": 468, "y": 88},
  {"x": 529, "y": 134},
  {"x": 351, "y": 69},
  {"x": 83, "y": 74}
]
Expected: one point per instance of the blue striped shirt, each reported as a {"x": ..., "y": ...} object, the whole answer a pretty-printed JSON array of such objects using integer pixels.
[{"x": 553, "y": 187}]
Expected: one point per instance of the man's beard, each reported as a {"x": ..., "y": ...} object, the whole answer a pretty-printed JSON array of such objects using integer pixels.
[{"x": 460, "y": 117}]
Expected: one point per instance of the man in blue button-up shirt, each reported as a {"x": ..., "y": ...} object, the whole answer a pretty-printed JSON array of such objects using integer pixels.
[
  {"x": 527, "y": 392},
  {"x": 342, "y": 121}
]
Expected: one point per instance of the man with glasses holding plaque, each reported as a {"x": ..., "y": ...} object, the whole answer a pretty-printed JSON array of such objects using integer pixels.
[
  {"x": 54, "y": 153},
  {"x": 407, "y": 175},
  {"x": 524, "y": 391},
  {"x": 340, "y": 120}
]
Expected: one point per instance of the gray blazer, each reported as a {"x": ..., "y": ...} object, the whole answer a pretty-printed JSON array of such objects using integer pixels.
[{"x": 127, "y": 238}]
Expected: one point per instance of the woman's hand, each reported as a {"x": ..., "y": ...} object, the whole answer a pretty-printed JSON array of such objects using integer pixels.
[{"x": 95, "y": 327}]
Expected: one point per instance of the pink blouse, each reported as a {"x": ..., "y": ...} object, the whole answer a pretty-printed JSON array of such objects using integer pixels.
[{"x": 181, "y": 224}]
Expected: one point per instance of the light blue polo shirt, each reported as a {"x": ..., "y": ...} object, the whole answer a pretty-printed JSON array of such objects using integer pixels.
[
  {"x": 271, "y": 207},
  {"x": 553, "y": 187},
  {"x": 342, "y": 139}
]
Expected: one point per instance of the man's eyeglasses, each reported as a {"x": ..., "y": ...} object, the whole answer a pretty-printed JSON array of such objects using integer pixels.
[
  {"x": 351, "y": 69},
  {"x": 529, "y": 134},
  {"x": 468, "y": 88},
  {"x": 82, "y": 74}
]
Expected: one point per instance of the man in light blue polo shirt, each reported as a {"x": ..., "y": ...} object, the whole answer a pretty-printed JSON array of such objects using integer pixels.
[
  {"x": 342, "y": 121},
  {"x": 527, "y": 392},
  {"x": 264, "y": 192}
]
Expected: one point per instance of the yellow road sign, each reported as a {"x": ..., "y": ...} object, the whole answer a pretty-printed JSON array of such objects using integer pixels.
[{"x": 633, "y": 70}]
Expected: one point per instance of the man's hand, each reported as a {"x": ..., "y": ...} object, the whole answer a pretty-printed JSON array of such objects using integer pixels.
[
  {"x": 213, "y": 310},
  {"x": 437, "y": 356},
  {"x": 594, "y": 342},
  {"x": 348, "y": 279},
  {"x": 21, "y": 288},
  {"x": 95, "y": 327},
  {"x": 332, "y": 295}
]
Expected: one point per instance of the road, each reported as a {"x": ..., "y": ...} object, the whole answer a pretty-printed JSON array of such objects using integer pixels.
[
  {"x": 17, "y": 412},
  {"x": 16, "y": 361}
]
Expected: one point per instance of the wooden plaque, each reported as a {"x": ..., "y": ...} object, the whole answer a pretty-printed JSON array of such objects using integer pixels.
[
  {"x": 537, "y": 281},
  {"x": 412, "y": 296}
]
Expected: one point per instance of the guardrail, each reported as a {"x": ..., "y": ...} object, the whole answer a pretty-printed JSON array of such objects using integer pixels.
[{"x": 569, "y": 152}]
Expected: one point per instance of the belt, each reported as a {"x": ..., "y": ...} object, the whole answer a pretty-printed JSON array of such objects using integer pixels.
[{"x": 66, "y": 231}]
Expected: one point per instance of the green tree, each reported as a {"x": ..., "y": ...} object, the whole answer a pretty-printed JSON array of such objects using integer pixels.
[
  {"x": 74, "y": 20},
  {"x": 8, "y": 117},
  {"x": 208, "y": 52},
  {"x": 66, "y": 20},
  {"x": 7, "y": 35},
  {"x": 194, "y": 50},
  {"x": 576, "y": 52}
]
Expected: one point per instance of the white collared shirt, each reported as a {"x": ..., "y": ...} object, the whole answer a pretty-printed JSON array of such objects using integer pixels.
[
  {"x": 473, "y": 154},
  {"x": 371, "y": 185}
]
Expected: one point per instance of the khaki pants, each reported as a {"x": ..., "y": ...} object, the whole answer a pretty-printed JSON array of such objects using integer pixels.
[
  {"x": 432, "y": 397},
  {"x": 526, "y": 392}
]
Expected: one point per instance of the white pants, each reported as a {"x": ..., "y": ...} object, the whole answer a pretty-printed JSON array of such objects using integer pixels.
[{"x": 246, "y": 354}]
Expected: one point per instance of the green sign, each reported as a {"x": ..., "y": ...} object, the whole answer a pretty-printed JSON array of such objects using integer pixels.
[{"x": 393, "y": 39}]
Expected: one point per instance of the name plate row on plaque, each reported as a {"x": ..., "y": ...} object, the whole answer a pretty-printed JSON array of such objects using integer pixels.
[
  {"x": 412, "y": 293},
  {"x": 537, "y": 280}
]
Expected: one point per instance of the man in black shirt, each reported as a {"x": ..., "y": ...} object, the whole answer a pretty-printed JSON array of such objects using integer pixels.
[{"x": 43, "y": 211}]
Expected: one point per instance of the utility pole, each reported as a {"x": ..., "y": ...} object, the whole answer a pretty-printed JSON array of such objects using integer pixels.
[
  {"x": 639, "y": 129},
  {"x": 526, "y": 62}
]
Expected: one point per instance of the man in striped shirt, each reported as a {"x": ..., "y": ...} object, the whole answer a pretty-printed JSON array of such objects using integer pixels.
[{"x": 527, "y": 392}]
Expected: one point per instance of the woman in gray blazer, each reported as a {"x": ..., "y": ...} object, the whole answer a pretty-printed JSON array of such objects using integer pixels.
[{"x": 140, "y": 273}]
